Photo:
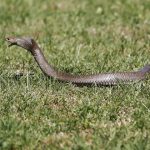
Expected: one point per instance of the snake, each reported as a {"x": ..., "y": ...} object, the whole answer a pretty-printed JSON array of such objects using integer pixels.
[{"x": 103, "y": 79}]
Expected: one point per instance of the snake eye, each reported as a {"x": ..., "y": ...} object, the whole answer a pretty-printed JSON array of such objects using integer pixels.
[{"x": 7, "y": 38}]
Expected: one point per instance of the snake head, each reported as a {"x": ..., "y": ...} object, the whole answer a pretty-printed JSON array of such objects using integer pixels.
[{"x": 24, "y": 42}]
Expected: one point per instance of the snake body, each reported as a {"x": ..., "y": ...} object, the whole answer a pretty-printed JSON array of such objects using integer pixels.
[{"x": 98, "y": 79}]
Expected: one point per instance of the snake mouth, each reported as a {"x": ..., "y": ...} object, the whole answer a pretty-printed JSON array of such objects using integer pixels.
[{"x": 11, "y": 41}]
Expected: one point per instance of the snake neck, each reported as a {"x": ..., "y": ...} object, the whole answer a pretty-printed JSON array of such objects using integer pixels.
[{"x": 39, "y": 57}]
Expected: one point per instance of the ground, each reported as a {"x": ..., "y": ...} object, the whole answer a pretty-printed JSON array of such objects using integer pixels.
[{"x": 79, "y": 37}]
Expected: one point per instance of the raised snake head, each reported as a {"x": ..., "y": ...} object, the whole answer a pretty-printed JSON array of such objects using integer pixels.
[{"x": 24, "y": 42}]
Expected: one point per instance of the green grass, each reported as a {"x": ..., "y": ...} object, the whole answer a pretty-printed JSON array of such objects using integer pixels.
[{"x": 80, "y": 37}]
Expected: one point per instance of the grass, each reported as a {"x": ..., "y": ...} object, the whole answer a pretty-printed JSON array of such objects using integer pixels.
[{"x": 80, "y": 37}]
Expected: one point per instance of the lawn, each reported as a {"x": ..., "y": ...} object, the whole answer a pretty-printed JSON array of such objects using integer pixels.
[{"x": 79, "y": 37}]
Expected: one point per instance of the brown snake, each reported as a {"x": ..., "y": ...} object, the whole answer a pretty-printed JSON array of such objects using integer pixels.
[{"x": 98, "y": 79}]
